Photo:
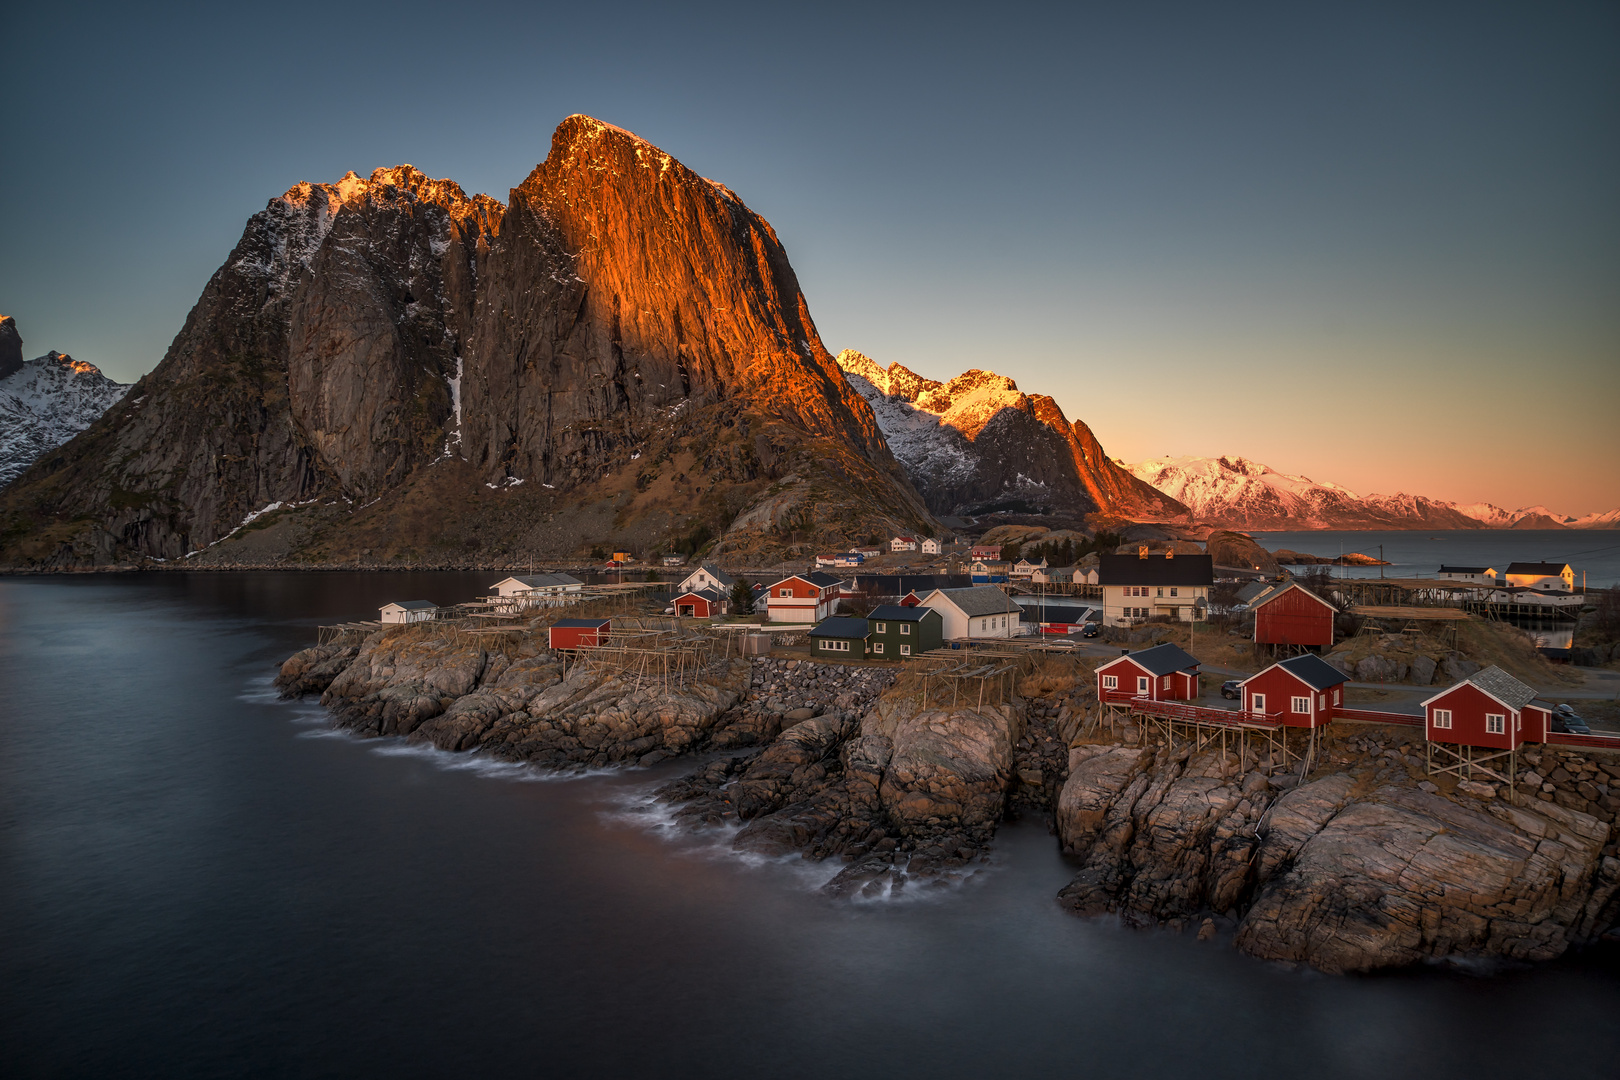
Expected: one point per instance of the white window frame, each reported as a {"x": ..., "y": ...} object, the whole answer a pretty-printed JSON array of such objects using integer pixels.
[
  {"x": 1442, "y": 719},
  {"x": 1300, "y": 705},
  {"x": 1257, "y": 702},
  {"x": 1110, "y": 682},
  {"x": 877, "y": 647},
  {"x": 905, "y": 629},
  {"x": 784, "y": 592},
  {"x": 905, "y": 650},
  {"x": 1143, "y": 684},
  {"x": 879, "y": 628},
  {"x": 1496, "y": 723}
]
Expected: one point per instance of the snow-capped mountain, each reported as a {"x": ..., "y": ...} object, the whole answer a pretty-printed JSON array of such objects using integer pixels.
[
  {"x": 978, "y": 445},
  {"x": 1238, "y": 493},
  {"x": 44, "y": 403}
]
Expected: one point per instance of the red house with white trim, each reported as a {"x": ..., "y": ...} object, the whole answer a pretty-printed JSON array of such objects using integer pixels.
[
  {"x": 578, "y": 633},
  {"x": 1163, "y": 673},
  {"x": 1304, "y": 689},
  {"x": 802, "y": 598},
  {"x": 700, "y": 604},
  {"x": 1293, "y": 615},
  {"x": 1489, "y": 708}
]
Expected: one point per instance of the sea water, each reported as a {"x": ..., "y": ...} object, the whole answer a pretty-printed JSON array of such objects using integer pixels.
[
  {"x": 197, "y": 879},
  {"x": 1594, "y": 554}
]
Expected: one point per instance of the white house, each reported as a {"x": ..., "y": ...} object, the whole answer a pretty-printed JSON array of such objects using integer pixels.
[
  {"x": 408, "y": 611},
  {"x": 903, "y": 543},
  {"x": 1023, "y": 568},
  {"x": 802, "y": 598},
  {"x": 981, "y": 612},
  {"x": 1051, "y": 575},
  {"x": 707, "y": 576},
  {"x": 531, "y": 589},
  {"x": 931, "y": 546},
  {"x": 1477, "y": 575},
  {"x": 673, "y": 560},
  {"x": 1140, "y": 586},
  {"x": 1546, "y": 576}
]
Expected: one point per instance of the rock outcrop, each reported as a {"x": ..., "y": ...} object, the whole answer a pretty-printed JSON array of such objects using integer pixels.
[
  {"x": 1368, "y": 865},
  {"x": 976, "y": 444},
  {"x": 11, "y": 356},
  {"x": 624, "y": 337}
]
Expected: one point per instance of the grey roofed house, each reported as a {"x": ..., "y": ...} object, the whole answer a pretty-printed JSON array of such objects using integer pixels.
[
  {"x": 1314, "y": 671},
  {"x": 413, "y": 605},
  {"x": 719, "y": 575},
  {"x": 841, "y": 626},
  {"x": 819, "y": 579},
  {"x": 1155, "y": 570},
  {"x": 545, "y": 581},
  {"x": 1503, "y": 687},
  {"x": 981, "y": 600},
  {"x": 1253, "y": 590},
  {"x": 1165, "y": 659},
  {"x": 1055, "y": 613},
  {"x": 897, "y": 613},
  {"x": 1538, "y": 569}
]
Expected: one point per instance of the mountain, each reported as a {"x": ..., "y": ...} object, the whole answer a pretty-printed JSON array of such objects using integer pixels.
[
  {"x": 1242, "y": 494},
  {"x": 45, "y": 402},
  {"x": 978, "y": 445},
  {"x": 1237, "y": 493},
  {"x": 388, "y": 370}
]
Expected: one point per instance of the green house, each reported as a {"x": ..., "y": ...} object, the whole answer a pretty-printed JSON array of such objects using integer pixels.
[
  {"x": 839, "y": 638},
  {"x": 895, "y": 632}
]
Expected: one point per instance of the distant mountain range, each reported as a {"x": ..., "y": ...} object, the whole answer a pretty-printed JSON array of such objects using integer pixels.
[
  {"x": 1234, "y": 492},
  {"x": 45, "y": 402}
]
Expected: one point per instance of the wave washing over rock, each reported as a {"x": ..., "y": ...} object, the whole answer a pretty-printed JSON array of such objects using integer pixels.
[{"x": 1363, "y": 863}]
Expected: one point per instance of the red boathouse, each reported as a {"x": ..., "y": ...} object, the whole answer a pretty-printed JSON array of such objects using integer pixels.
[
  {"x": 1293, "y": 616},
  {"x": 1163, "y": 673},
  {"x": 1490, "y": 708},
  {"x": 1305, "y": 690},
  {"x": 700, "y": 604},
  {"x": 579, "y": 633}
]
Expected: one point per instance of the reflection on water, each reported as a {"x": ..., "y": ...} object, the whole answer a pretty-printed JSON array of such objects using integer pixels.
[{"x": 195, "y": 879}]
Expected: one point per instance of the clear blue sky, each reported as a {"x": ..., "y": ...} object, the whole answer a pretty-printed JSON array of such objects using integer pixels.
[{"x": 1378, "y": 245}]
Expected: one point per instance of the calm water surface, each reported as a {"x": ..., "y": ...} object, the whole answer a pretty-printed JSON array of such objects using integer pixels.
[
  {"x": 1596, "y": 552},
  {"x": 197, "y": 880}
]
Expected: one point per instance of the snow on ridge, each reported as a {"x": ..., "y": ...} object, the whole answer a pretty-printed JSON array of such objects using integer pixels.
[{"x": 45, "y": 403}]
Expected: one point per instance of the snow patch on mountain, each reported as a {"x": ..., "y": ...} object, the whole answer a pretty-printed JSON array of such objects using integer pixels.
[{"x": 45, "y": 403}]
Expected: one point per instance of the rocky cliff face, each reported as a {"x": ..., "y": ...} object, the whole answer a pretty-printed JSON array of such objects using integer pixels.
[
  {"x": 11, "y": 357},
  {"x": 977, "y": 444},
  {"x": 382, "y": 361},
  {"x": 45, "y": 402}
]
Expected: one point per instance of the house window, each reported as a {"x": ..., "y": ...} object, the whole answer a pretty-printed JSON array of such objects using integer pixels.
[
  {"x": 1257, "y": 703},
  {"x": 1172, "y": 590},
  {"x": 905, "y": 628},
  {"x": 1161, "y": 590},
  {"x": 784, "y": 592},
  {"x": 877, "y": 646},
  {"x": 1301, "y": 704},
  {"x": 1141, "y": 684},
  {"x": 1495, "y": 723},
  {"x": 878, "y": 628},
  {"x": 905, "y": 650},
  {"x": 1442, "y": 718},
  {"x": 1110, "y": 682}
]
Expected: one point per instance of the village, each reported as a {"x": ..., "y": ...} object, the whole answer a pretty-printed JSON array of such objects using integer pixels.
[{"x": 1223, "y": 653}]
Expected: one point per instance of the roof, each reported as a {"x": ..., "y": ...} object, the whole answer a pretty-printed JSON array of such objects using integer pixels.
[
  {"x": 815, "y": 577},
  {"x": 1269, "y": 597},
  {"x": 1503, "y": 687},
  {"x": 896, "y": 613},
  {"x": 710, "y": 595},
  {"x": 718, "y": 574},
  {"x": 1547, "y": 569},
  {"x": 580, "y": 624},
  {"x": 1312, "y": 670},
  {"x": 542, "y": 581},
  {"x": 1155, "y": 570},
  {"x": 980, "y": 600},
  {"x": 840, "y": 626},
  {"x": 1161, "y": 659},
  {"x": 1254, "y": 589},
  {"x": 1464, "y": 569},
  {"x": 412, "y": 605}
]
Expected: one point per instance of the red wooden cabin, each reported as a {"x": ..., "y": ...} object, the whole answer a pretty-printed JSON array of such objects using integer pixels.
[
  {"x": 1304, "y": 689},
  {"x": 579, "y": 633},
  {"x": 1162, "y": 673},
  {"x": 700, "y": 604},
  {"x": 1293, "y": 615},
  {"x": 1489, "y": 708}
]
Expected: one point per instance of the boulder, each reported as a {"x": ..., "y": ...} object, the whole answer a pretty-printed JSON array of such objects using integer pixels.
[{"x": 1423, "y": 669}]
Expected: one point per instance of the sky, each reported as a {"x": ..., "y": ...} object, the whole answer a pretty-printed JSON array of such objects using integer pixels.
[{"x": 1377, "y": 245}]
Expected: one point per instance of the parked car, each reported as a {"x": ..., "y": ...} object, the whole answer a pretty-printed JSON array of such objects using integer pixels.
[
  {"x": 1566, "y": 720},
  {"x": 1091, "y": 629},
  {"x": 1230, "y": 689}
]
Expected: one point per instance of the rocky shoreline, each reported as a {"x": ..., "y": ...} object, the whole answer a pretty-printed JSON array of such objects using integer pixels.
[{"x": 1363, "y": 863}]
